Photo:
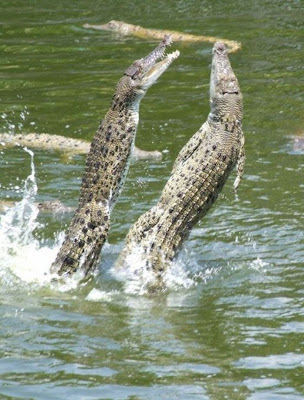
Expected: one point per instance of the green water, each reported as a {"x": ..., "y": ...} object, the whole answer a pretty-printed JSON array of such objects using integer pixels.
[{"x": 234, "y": 327}]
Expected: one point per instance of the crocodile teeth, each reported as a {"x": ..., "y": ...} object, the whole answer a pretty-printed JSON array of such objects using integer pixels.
[{"x": 173, "y": 55}]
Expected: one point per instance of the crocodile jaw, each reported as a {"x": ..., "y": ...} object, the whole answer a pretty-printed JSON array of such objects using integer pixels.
[
  {"x": 223, "y": 81},
  {"x": 225, "y": 95},
  {"x": 156, "y": 70},
  {"x": 144, "y": 72}
]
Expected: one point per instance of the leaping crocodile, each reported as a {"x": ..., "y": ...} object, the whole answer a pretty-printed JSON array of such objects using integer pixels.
[
  {"x": 199, "y": 174},
  {"x": 144, "y": 33},
  {"x": 107, "y": 164}
]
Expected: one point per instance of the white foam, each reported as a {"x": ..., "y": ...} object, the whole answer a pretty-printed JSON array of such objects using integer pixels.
[
  {"x": 137, "y": 278},
  {"x": 24, "y": 257},
  {"x": 258, "y": 264},
  {"x": 20, "y": 252},
  {"x": 101, "y": 295}
]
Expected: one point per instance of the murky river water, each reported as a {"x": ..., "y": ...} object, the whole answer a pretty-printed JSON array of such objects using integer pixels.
[{"x": 232, "y": 324}]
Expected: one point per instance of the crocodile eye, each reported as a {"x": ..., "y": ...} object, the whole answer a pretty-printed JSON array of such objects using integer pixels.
[{"x": 134, "y": 69}]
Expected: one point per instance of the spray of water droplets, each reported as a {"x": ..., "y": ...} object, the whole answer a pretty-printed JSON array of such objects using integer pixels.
[{"x": 20, "y": 252}]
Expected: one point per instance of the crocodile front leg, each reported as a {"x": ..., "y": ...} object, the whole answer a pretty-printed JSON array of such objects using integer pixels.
[{"x": 240, "y": 165}]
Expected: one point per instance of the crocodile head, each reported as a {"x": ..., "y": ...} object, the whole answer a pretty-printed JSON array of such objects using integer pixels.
[
  {"x": 225, "y": 94},
  {"x": 117, "y": 26},
  {"x": 143, "y": 73}
]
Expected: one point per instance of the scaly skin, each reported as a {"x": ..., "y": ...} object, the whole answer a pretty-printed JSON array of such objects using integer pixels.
[
  {"x": 107, "y": 164},
  {"x": 199, "y": 174},
  {"x": 144, "y": 33}
]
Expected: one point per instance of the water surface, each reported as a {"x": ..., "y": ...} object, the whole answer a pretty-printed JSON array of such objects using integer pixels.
[{"x": 231, "y": 326}]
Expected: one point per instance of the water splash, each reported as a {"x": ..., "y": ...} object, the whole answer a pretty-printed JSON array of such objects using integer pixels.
[
  {"x": 8, "y": 120},
  {"x": 186, "y": 272},
  {"x": 20, "y": 252},
  {"x": 24, "y": 257},
  {"x": 137, "y": 279},
  {"x": 20, "y": 221},
  {"x": 133, "y": 274}
]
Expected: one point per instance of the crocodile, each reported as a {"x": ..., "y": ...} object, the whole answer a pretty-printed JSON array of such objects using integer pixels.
[
  {"x": 51, "y": 206},
  {"x": 69, "y": 146},
  {"x": 107, "y": 163},
  {"x": 145, "y": 33},
  {"x": 198, "y": 176}
]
